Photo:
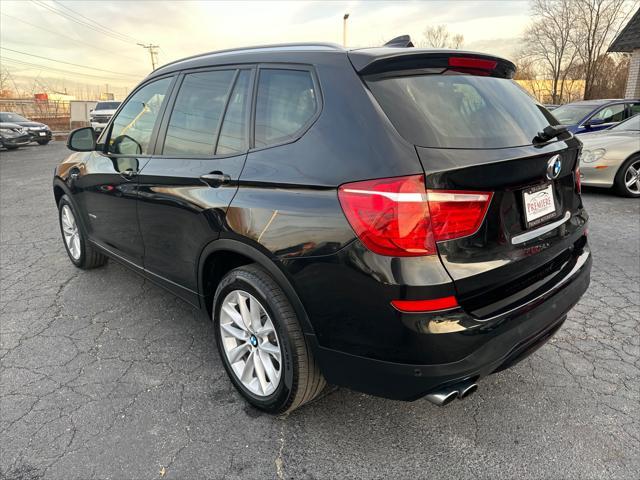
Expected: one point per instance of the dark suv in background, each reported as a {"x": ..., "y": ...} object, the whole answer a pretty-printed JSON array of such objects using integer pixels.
[
  {"x": 400, "y": 221},
  {"x": 38, "y": 132}
]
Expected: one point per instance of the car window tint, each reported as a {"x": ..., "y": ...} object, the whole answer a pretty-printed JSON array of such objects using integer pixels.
[
  {"x": 286, "y": 102},
  {"x": 610, "y": 113},
  {"x": 635, "y": 109},
  {"x": 233, "y": 135},
  {"x": 134, "y": 124},
  {"x": 460, "y": 111},
  {"x": 197, "y": 113}
]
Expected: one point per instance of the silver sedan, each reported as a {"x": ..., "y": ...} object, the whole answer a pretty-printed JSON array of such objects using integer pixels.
[{"x": 611, "y": 158}]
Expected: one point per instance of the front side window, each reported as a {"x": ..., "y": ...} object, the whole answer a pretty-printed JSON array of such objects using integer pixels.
[
  {"x": 132, "y": 128},
  {"x": 286, "y": 102},
  {"x": 196, "y": 116},
  {"x": 610, "y": 114}
]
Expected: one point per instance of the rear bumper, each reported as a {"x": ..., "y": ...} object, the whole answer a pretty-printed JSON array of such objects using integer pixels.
[{"x": 497, "y": 344}]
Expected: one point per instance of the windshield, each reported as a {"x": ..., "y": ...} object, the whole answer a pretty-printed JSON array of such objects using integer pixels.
[
  {"x": 11, "y": 117},
  {"x": 572, "y": 114},
  {"x": 632, "y": 124},
  {"x": 460, "y": 111},
  {"x": 107, "y": 105}
]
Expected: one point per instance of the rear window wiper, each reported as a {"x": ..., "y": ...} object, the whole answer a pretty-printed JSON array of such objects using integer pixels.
[{"x": 549, "y": 132}]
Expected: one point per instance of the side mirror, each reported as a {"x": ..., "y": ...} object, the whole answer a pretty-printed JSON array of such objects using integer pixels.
[
  {"x": 82, "y": 140},
  {"x": 594, "y": 122}
]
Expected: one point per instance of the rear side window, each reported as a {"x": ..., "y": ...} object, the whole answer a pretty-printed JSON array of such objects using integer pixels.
[
  {"x": 286, "y": 102},
  {"x": 233, "y": 135},
  {"x": 460, "y": 111},
  {"x": 197, "y": 113}
]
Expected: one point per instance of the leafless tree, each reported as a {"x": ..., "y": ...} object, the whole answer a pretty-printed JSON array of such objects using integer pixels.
[
  {"x": 549, "y": 41},
  {"x": 440, "y": 37},
  {"x": 597, "y": 23}
]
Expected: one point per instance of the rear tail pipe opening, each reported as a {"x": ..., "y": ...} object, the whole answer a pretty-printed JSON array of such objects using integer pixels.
[{"x": 445, "y": 396}]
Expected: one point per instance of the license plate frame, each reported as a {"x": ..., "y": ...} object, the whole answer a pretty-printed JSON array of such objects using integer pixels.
[{"x": 539, "y": 204}]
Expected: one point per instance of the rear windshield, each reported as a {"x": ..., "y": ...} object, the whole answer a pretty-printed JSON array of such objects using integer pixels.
[
  {"x": 107, "y": 105},
  {"x": 460, "y": 111},
  {"x": 572, "y": 114}
]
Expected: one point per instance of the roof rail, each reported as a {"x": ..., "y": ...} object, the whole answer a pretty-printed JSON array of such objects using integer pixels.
[
  {"x": 403, "y": 41},
  {"x": 275, "y": 46}
]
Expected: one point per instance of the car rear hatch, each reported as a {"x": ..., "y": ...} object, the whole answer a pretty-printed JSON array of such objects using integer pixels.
[{"x": 476, "y": 133}]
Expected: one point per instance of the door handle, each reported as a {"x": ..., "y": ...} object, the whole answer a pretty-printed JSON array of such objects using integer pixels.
[{"x": 215, "y": 179}]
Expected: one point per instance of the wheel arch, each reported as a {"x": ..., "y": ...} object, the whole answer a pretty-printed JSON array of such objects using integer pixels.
[{"x": 225, "y": 254}]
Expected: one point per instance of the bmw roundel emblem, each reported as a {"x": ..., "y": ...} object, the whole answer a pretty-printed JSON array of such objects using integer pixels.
[{"x": 554, "y": 165}]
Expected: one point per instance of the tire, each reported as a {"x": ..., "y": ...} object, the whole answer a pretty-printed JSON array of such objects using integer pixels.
[
  {"x": 299, "y": 379},
  {"x": 43, "y": 142},
  {"x": 82, "y": 254},
  {"x": 619, "y": 182},
  {"x": 11, "y": 147}
]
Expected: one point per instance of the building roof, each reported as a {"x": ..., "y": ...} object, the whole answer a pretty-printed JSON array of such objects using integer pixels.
[{"x": 629, "y": 38}]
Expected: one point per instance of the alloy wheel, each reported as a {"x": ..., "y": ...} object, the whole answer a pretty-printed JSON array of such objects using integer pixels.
[
  {"x": 250, "y": 343},
  {"x": 70, "y": 232},
  {"x": 632, "y": 178}
]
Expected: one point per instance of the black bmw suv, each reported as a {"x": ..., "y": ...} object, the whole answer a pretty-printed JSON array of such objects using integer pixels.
[{"x": 399, "y": 221}]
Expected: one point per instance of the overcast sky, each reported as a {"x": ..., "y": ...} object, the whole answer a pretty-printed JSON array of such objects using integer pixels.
[{"x": 183, "y": 28}]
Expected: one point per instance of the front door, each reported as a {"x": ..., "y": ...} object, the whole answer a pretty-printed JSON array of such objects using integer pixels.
[
  {"x": 108, "y": 182},
  {"x": 185, "y": 189}
]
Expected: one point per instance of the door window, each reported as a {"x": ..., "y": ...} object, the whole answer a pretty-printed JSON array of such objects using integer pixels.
[
  {"x": 634, "y": 109},
  {"x": 132, "y": 128},
  {"x": 286, "y": 102},
  {"x": 610, "y": 113},
  {"x": 196, "y": 116},
  {"x": 233, "y": 135}
]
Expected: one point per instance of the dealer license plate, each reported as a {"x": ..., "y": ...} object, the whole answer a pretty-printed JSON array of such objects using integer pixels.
[{"x": 539, "y": 204}]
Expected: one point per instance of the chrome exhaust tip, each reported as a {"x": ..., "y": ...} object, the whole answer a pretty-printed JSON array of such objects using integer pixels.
[
  {"x": 467, "y": 390},
  {"x": 443, "y": 398}
]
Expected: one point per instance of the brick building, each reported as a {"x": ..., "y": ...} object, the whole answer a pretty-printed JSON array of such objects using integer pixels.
[{"x": 628, "y": 41}]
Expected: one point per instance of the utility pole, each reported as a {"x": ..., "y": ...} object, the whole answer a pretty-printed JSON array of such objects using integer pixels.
[
  {"x": 153, "y": 53},
  {"x": 344, "y": 29}
]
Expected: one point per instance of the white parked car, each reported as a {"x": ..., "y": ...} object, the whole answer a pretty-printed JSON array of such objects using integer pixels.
[
  {"x": 611, "y": 158},
  {"x": 101, "y": 115}
]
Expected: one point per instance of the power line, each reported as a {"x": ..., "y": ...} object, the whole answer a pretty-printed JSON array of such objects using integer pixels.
[
  {"x": 46, "y": 67},
  {"x": 69, "y": 63},
  {"x": 84, "y": 44},
  {"x": 80, "y": 22},
  {"x": 131, "y": 39}
]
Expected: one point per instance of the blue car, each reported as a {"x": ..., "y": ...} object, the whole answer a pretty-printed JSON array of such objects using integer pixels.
[{"x": 592, "y": 115}]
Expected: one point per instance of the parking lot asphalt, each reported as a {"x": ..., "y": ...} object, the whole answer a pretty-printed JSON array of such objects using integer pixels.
[{"x": 105, "y": 375}]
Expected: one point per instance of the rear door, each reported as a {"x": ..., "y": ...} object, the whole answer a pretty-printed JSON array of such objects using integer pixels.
[
  {"x": 476, "y": 133},
  {"x": 186, "y": 187}
]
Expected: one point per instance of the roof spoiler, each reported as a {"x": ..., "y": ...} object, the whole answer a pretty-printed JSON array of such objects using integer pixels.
[{"x": 403, "y": 41}]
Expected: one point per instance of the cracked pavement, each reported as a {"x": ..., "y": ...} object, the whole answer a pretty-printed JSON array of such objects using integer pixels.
[{"x": 106, "y": 376}]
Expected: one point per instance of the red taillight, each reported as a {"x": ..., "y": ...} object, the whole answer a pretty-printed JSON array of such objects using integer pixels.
[
  {"x": 470, "y": 62},
  {"x": 412, "y": 306},
  {"x": 398, "y": 217},
  {"x": 457, "y": 214},
  {"x": 578, "y": 181},
  {"x": 390, "y": 215}
]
